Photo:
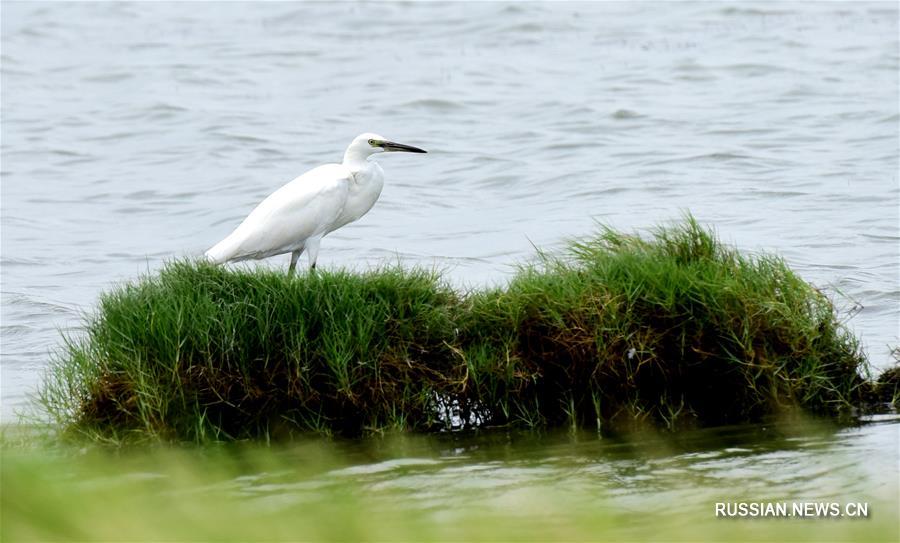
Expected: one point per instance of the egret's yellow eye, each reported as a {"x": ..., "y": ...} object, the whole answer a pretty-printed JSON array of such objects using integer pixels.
[{"x": 372, "y": 143}]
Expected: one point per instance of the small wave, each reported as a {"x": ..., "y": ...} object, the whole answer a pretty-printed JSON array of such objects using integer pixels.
[
  {"x": 878, "y": 237},
  {"x": 8, "y": 261},
  {"x": 111, "y": 137},
  {"x": 142, "y": 195},
  {"x": 132, "y": 210},
  {"x": 623, "y": 114},
  {"x": 601, "y": 192},
  {"x": 270, "y": 152},
  {"x": 525, "y": 27},
  {"x": 436, "y": 104},
  {"x": 386, "y": 466},
  {"x": 499, "y": 180},
  {"x": 243, "y": 138},
  {"x": 742, "y": 132},
  {"x": 754, "y": 69},
  {"x": 755, "y": 12},
  {"x": 143, "y": 46},
  {"x": 713, "y": 157},
  {"x": 69, "y": 153},
  {"x": 285, "y": 54},
  {"x": 20, "y": 300},
  {"x": 162, "y": 107},
  {"x": 779, "y": 193},
  {"x": 513, "y": 9},
  {"x": 12, "y": 330},
  {"x": 108, "y": 78}
]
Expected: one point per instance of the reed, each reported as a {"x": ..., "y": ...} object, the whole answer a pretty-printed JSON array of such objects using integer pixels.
[{"x": 672, "y": 330}]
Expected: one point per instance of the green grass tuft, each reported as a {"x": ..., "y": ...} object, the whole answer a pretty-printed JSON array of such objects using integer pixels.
[{"x": 619, "y": 331}]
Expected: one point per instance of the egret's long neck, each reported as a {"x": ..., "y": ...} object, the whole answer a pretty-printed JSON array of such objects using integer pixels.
[{"x": 356, "y": 158}]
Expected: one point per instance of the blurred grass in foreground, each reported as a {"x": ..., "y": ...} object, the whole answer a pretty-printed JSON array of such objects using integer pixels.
[{"x": 324, "y": 490}]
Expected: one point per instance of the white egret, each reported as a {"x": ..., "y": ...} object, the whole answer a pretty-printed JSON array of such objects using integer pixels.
[{"x": 297, "y": 216}]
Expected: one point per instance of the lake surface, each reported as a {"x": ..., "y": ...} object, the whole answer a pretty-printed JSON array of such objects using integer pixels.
[{"x": 137, "y": 133}]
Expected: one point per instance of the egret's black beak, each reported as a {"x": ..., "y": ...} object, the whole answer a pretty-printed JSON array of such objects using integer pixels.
[{"x": 391, "y": 146}]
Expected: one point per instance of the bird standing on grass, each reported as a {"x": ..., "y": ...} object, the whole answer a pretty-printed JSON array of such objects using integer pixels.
[{"x": 297, "y": 216}]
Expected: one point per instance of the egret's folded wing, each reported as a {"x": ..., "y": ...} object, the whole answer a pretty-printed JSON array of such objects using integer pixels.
[{"x": 301, "y": 209}]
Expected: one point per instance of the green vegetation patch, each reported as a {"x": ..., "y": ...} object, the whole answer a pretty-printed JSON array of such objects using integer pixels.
[{"x": 618, "y": 331}]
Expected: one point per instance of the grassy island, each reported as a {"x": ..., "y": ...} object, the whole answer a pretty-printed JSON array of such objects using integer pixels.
[{"x": 673, "y": 330}]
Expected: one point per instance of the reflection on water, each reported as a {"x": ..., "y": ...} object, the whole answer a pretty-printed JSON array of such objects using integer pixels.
[{"x": 687, "y": 471}]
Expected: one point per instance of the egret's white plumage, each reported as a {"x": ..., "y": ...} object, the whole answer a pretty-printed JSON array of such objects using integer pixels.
[{"x": 297, "y": 216}]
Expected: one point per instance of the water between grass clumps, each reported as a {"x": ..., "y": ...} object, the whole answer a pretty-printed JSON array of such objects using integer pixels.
[{"x": 495, "y": 485}]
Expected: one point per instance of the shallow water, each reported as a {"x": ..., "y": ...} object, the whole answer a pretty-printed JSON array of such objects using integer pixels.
[
  {"x": 521, "y": 486},
  {"x": 686, "y": 472},
  {"x": 136, "y": 133}
]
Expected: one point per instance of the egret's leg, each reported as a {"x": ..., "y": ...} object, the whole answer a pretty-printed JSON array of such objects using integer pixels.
[
  {"x": 312, "y": 251},
  {"x": 294, "y": 256}
]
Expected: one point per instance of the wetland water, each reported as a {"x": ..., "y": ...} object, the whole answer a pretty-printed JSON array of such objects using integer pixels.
[
  {"x": 736, "y": 463},
  {"x": 136, "y": 133}
]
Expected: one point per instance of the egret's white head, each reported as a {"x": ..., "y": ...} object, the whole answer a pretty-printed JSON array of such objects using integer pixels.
[{"x": 366, "y": 145}]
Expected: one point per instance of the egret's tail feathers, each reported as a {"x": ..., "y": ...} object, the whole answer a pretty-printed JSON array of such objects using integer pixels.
[{"x": 221, "y": 252}]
